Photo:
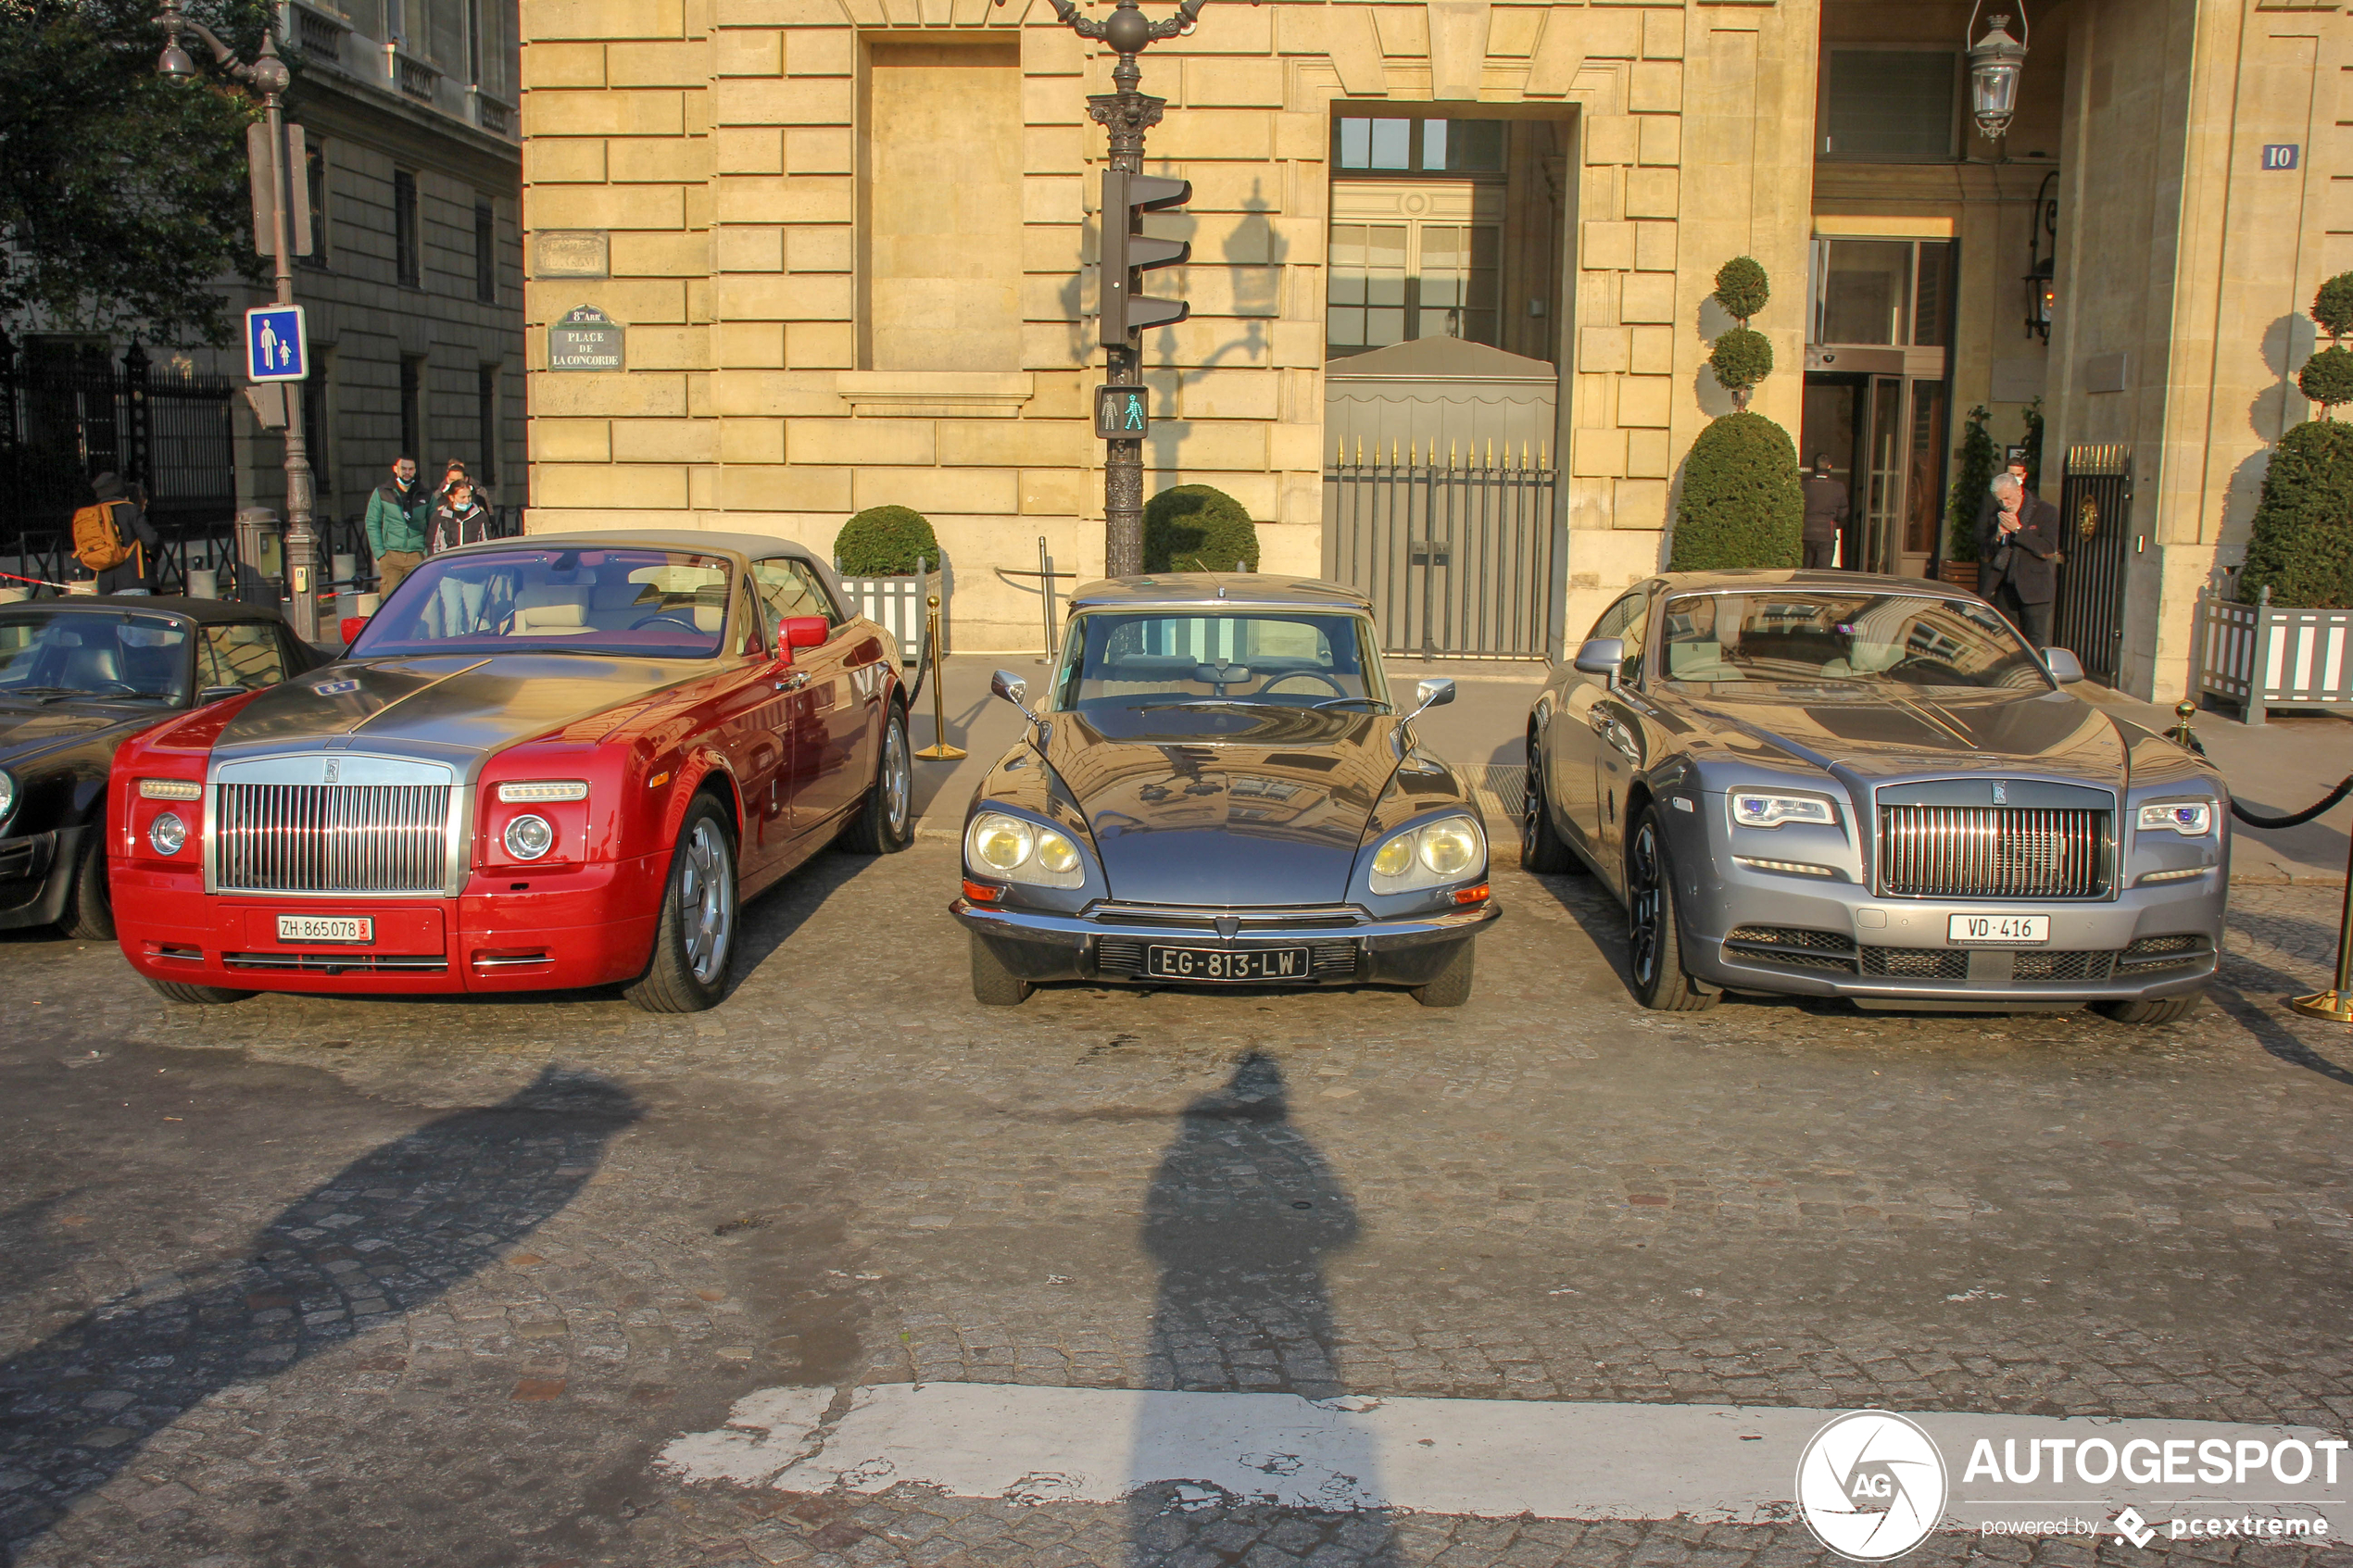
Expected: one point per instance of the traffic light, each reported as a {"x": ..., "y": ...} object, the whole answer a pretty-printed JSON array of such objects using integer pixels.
[{"x": 1127, "y": 253}]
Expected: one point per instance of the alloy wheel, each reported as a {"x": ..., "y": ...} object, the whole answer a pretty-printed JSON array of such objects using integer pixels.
[
  {"x": 898, "y": 782},
  {"x": 706, "y": 884},
  {"x": 1645, "y": 898},
  {"x": 1533, "y": 803}
]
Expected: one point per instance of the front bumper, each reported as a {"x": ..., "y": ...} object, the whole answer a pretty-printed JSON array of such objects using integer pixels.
[
  {"x": 1107, "y": 942},
  {"x": 36, "y": 875},
  {"x": 1762, "y": 931}
]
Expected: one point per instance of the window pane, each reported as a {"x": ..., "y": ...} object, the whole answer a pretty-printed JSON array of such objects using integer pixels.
[
  {"x": 1384, "y": 327},
  {"x": 1868, "y": 292},
  {"x": 1385, "y": 263},
  {"x": 1433, "y": 144},
  {"x": 1392, "y": 144},
  {"x": 1345, "y": 327},
  {"x": 1926, "y": 488},
  {"x": 1933, "y": 299},
  {"x": 1472, "y": 146},
  {"x": 1355, "y": 143},
  {"x": 1890, "y": 105}
]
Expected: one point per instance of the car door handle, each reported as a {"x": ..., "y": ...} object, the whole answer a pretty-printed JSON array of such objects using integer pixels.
[{"x": 793, "y": 681}]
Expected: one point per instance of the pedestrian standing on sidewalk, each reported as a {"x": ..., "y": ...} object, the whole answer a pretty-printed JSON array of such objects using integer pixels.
[
  {"x": 459, "y": 519},
  {"x": 2016, "y": 552},
  {"x": 133, "y": 568},
  {"x": 1825, "y": 511},
  {"x": 398, "y": 513}
]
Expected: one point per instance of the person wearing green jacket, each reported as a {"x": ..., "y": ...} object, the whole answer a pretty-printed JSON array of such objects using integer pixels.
[{"x": 399, "y": 514}]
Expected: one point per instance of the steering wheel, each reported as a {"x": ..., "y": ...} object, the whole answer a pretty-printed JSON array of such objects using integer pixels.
[
  {"x": 684, "y": 622},
  {"x": 1338, "y": 690}
]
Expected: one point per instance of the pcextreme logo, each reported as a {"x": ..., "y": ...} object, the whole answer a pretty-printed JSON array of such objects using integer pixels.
[{"x": 1871, "y": 1485}]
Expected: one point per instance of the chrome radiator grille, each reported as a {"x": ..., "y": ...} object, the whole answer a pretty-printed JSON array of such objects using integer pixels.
[
  {"x": 331, "y": 839},
  {"x": 1994, "y": 852}
]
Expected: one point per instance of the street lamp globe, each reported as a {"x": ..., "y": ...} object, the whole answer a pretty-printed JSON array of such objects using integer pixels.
[
  {"x": 175, "y": 64},
  {"x": 1993, "y": 64}
]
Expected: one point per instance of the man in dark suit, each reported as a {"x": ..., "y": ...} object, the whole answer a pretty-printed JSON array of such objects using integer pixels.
[{"x": 2016, "y": 538}]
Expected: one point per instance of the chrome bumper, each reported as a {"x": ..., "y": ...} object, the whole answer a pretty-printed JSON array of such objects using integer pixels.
[{"x": 1042, "y": 946}]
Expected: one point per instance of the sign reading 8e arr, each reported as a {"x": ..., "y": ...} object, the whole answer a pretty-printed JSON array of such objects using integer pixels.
[{"x": 586, "y": 339}]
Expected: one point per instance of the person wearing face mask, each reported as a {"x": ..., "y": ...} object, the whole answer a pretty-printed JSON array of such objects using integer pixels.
[
  {"x": 398, "y": 513},
  {"x": 459, "y": 519}
]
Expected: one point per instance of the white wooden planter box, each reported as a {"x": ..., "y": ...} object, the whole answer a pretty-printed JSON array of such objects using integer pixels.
[
  {"x": 2262, "y": 656},
  {"x": 899, "y": 603}
]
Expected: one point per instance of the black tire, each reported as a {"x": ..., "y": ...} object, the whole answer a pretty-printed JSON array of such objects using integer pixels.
[
  {"x": 2162, "y": 1009},
  {"x": 994, "y": 986},
  {"x": 695, "y": 939},
  {"x": 89, "y": 912},
  {"x": 1653, "y": 940},
  {"x": 196, "y": 996},
  {"x": 886, "y": 823},
  {"x": 1541, "y": 845},
  {"x": 1451, "y": 988}
]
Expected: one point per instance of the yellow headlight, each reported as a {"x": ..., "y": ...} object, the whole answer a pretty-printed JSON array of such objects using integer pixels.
[
  {"x": 1394, "y": 857},
  {"x": 1450, "y": 849},
  {"x": 1003, "y": 843},
  {"x": 1056, "y": 853}
]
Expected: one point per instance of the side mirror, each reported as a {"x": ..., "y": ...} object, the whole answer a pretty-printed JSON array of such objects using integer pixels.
[
  {"x": 2066, "y": 669},
  {"x": 1013, "y": 689},
  {"x": 805, "y": 632},
  {"x": 1601, "y": 655},
  {"x": 218, "y": 694},
  {"x": 1432, "y": 693}
]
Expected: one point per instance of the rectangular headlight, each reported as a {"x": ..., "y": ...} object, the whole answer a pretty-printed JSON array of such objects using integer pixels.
[
  {"x": 543, "y": 789},
  {"x": 2191, "y": 819},
  {"x": 1762, "y": 809},
  {"x": 171, "y": 789}
]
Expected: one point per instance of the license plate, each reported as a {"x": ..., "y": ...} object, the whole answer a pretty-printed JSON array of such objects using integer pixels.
[
  {"x": 326, "y": 928},
  {"x": 1221, "y": 963},
  {"x": 1998, "y": 931}
]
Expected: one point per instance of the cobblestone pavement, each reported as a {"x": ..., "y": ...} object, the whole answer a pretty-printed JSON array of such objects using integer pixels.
[{"x": 306, "y": 1282}]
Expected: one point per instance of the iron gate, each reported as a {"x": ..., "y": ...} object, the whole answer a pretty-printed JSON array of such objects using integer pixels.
[
  {"x": 1456, "y": 556},
  {"x": 2096, "y": 528}
]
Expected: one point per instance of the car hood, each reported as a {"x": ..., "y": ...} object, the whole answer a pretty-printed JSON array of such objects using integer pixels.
[
  {"x": 1877, "y": 738},
  {"x": 1227, "y": 807},
  {"x": 471, "y": 702},
  {"x": 27, "y": 732}
]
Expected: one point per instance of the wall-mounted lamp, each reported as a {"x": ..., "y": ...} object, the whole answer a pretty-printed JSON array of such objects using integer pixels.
[
  {"x": 1995, "y": 62},
  {"x": 2042, "y": 260}
]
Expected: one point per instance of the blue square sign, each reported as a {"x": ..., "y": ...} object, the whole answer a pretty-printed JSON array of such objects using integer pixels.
[{"x": 275, "y": 347}]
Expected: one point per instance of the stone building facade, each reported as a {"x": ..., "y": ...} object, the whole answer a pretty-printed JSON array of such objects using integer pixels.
[{"x": 850, "y": 245}]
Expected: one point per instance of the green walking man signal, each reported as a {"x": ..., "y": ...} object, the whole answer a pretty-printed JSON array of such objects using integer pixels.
[{"x": 1122, "y": 413}]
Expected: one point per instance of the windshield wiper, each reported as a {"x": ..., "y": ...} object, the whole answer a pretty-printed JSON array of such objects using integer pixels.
[
  {"x": 37, "y": 691},
  {"x": 1345, "y": 701},
  {"x": 1197, "y": 702}
]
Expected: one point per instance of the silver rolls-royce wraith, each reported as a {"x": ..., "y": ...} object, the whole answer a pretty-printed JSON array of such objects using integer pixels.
[{"x": 1826, "y": 784}]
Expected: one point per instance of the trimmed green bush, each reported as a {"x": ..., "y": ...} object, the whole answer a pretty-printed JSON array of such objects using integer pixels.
[
  {"x": 887, "y": 541},
  {"x": 2332, "y": 307},
  {"x": 1742, "y": 503},
  {"x": 1978, "y": 463},
  {"x": 2327, "y": 377},
  {"x": 2301, "y": 543},
  {"x": 1741, "y": 288},
  {"x": 1741, "y": 358},
  {"x": 1198, "y": 528}
]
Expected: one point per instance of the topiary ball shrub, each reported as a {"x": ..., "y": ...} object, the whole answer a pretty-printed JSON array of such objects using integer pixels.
[
  {"x": 2332, "y": 307},
  {"x": 1741, "y": 504},
  {"x": 1198, "y": 528},
  {"x": 2327, "y": 377},
  {"x": 887, "y": 541},
  {"x": 1741, "y": 358},
  {"x": 2301, "y": 543},
  {"x": 1741, "y": 287}
]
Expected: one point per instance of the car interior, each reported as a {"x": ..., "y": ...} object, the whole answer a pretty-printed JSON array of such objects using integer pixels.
[
  {"x": 1115, "y": 660},
  {"x": 628, "y": 598},
  {"x": 95, "y": 654}
]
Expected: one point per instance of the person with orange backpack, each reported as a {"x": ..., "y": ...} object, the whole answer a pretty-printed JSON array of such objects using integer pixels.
[{"x": 114, "y": 540}]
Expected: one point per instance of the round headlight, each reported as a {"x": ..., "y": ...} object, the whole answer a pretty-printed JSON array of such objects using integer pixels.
[
  {"x": 1003, "y": 843},
  {"x": 1450, "y": 849},
  {"x": 1393, "y": 858},
  {"x": 167, "y": 833},
  {"x": 1056, "y": 853},
  {"x": 528, "y": 838},
  {"x": 7, "y": 794}
]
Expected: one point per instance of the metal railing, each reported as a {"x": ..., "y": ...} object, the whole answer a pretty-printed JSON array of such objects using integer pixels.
[{"x": 1456, "y": 554}]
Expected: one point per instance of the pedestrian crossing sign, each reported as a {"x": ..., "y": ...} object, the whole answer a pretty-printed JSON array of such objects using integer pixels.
[
  {"x": 1122, "y": 413},
  {"x": 275, "y": 346}
]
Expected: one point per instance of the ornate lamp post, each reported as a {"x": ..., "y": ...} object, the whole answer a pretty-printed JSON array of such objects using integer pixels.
[
  {"x": 1126, "y": 114},
  {"x": 267, "y": 76}
]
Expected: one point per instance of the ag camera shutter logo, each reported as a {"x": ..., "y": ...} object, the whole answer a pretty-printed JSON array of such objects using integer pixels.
[{"x": 1871, "y": 1485}]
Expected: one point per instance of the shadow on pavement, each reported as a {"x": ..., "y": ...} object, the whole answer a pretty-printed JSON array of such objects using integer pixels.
[
  {"x": 393, "y": 1231},
  {"x": 1238, "y": 1217}
]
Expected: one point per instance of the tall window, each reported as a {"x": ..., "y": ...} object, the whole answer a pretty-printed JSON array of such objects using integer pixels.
[
  {"x": 412, "y": 410},
  {"x": 314, "y": 178},
  {"x": 408, "y": 259},
  {"x": 1428, "y": 147},
  {"x": 486, "y": 422},
  {"x": 1898, "y": 293},
  {"x": 1891, "y": 105},
  {"x": 1416, "y": 234},
  {"x": 486, "y": 255},
  {"x": 315, "y": 425}
]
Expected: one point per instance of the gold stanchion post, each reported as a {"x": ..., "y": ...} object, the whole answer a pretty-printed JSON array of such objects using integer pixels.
[
  {"x": 938, "y": 750},
  {"x": 2337, "y": 1002}
]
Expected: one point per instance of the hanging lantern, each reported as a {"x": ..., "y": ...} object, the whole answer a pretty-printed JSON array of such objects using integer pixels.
[{"x": 1995, "y": 62}]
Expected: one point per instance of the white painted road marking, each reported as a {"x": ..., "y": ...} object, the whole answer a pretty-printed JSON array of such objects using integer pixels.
[{"x": 1484, "y": 1458}]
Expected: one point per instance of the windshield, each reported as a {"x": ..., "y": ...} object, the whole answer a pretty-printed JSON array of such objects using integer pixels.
[
  {"x": 1266, "y": 658},
  {"x": 1848, "y": 639},
  {"x": 657, "y": 604},
  {"x": 48, "y": 656}
]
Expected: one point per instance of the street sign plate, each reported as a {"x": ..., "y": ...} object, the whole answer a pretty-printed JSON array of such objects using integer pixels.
[
  {"x": 2281, "y": 154},
  {"x": 275, "y": 346},
  {"x": 585, "y": 339},
  {"x": 1122, "y": 413}
]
